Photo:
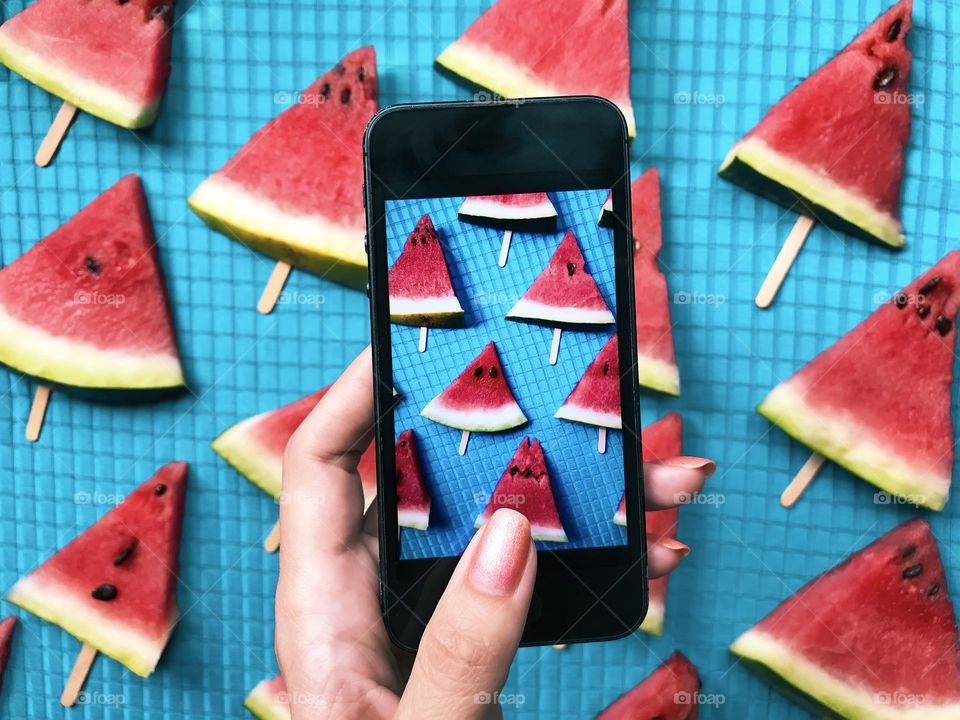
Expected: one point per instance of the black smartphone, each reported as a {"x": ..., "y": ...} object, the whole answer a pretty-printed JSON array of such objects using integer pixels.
[{"x": 504, "y": 346}]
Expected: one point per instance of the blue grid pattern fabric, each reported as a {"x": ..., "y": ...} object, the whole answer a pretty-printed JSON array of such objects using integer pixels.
[{"x": 704, "y": 71}]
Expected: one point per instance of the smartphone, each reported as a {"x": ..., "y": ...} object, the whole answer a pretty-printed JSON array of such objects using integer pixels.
[{"x": 504, "y": 347}]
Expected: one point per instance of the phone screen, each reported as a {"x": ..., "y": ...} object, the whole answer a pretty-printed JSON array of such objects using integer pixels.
[{"x": 505, "y": 364}]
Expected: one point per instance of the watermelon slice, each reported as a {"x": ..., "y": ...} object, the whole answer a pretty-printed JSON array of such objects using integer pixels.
[
  {"x": 114, "y": 586},
  {"x": 479, "y": 399},
  {"x": 564, "y": 293},
  {"x": 595, "y": 400},
  {"x": 656, "y": 360},
  {"x": 525, "y": 487},
  {"x": 878, "y": 401},
  {"x": 294, "y": 190},
  {"x": 109, "y": 58},
  {"x": 524, "y": 212},
  {"x": 6, "y": 643},
  {"x": 254, "y": 447},
  {"x": 269, "y": 700},
  {"x": 86, "y": 306},
  {"x": 873, "y": 638},
  {"x": 660, "y": 440},
  {"x": 536, "y": 48},
  {"x": 413, "y": 500},
  {"x": 835, "y": 144},
  {"x": 671, "y": 692},
  {"x": 421, "y": 292}
]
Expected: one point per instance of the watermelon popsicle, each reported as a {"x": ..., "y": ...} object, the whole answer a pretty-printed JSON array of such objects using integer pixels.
[
  {"x": 526, "y": 212},
  {"x": 563, "y": 295},
  {"x": 834, "y": 146},
  {"x": 595, "y": 400},
  {"x": 6, "y": 643},
  {"x": 669, "y": 693},
  {"x": 413, "y": 499}
]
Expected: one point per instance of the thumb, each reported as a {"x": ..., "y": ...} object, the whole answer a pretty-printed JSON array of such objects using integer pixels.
[{"x": 471, "y": 639}]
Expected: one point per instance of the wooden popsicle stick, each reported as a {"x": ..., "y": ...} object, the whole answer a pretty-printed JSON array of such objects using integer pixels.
[
  {"x": 271, "y": 293},
  {"x": 602, "y": 441},
  {"x": 423, "y": 339},
  {"x": 555, "y": 346},
  {"x": 38, "y": 410},
  {"x": 58, "y": 130},
  {"x": 802, "y": 480},
  {"x": 272, "y": 543},
  {"x": 505, "y": 248},
  {"x": 781, "y": 266},
  {"x": 464, "y": 439},
  {"x": 78, "y": 676}
]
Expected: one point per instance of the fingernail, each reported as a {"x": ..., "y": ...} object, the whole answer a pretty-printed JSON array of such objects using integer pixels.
[
  {"x": 692, "y": 463},
  {"x": 501, "y": 555},
  {"x": 673, "y": 544}
]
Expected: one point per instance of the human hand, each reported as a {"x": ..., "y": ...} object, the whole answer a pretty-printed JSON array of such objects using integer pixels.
[{"x": 334, "y": 653}]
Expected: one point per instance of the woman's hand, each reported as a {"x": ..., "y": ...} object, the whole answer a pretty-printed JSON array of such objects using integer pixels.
[{"x": 334, "y": 653}]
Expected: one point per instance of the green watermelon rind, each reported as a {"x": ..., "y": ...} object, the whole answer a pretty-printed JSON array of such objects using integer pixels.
[
  {"x": 586, "y": 416},
  {"x": 120, "y": 642},
  {"x": 826, "y": 690},
  {"x": 653, "y": 621},
  {"x": 507, "y": 416},
  {"x": 414, "y": 519},
  {"x": 659, "y": 375},
  {"x": 538, "y": 532},
  {"x": 74, "y": 363},
  {"x": 311, "y": 242},
  {"x": 85, "y": 93},
  {"x": 554, "y": 315},
  {"x": 488, "y": 68},
  {"x": 239, "y": 447},
  {"x": 836, "y": 438},
  {"x": 443, "y": 312},
  {"x": 264, "y": 705},
  {"x": 758, "y": 167}
]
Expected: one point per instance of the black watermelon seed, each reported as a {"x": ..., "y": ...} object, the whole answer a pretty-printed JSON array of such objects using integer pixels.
[
  {"x": 325, "y": 90},
  {"x": 913, "y": 571},
  {"x": 104, "y": 592},
  {"x": 160, "y": 489},
  {"x": 124, "y": 556},
  {"x": 934, "y": 590},
  {"x": 606, "y": 368},
  {"x": 360, "y": 74},
  {"x": 164, "y": 12},
  {"x": 345, "y": 96},
  {"x": 908, "y": 552},
  {"x": 339, "y": 69},
  {"x": 923, "y": 311},
  {"x": 901, "y": 300},
  {"x": 943, "y": 325},
  {"x": 885, "y": 78},
  {"x": 930, "y": 285},
  {"x": 528, "y": 472},
  {"x": 123, "y": 2},
  {"x": 514, "y": 470},
  {"x": 571, "y": 269},
  {"x": 494, "y": 372},
  {"x": 403, "y": 443},
  {"x": 478, "y": 372},
  {"x": 93, "y": 266},
  {"x": 894, "y": 32}
]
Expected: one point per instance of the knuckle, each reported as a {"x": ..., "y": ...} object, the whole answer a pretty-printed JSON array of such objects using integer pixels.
[{"x": 455, "y": 656}]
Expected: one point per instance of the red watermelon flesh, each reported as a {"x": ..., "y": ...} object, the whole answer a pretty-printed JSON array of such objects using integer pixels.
[
  {"x": 114, "y": 586},
  {"x": 595, "y": 400},
  {"x": 6, "y": 642},
  {"x": 479, "y": 399},
  {"x": 421, "y": 291},
  {"x": 524, "y": 212},
  {"x": 564, "y": 293},
  {"x": 878, "y": 400},
  {"x": 535, "y": 48},
  {"x": 837, "y": 141},
  {"x": 294, "y": 190},
  {"x": 875, "y": 637},
  {"x": 269, "y": 700},
  {"x": 525, "y": 487},
  {"x": 671, "y": 692},
  {"x": 413, "y": 500},
  {"x": 86, "y": 306},
  {"x": 109, "y": 58}
]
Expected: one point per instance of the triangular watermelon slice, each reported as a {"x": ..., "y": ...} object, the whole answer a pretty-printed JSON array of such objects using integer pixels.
[
  {"x": 114, "y": 586},
  {"x": 595, "y": 400},
  {"x": 878, "y": 401},
  {"x": 6, "y": 643},
  {"x": 86, "y": 306},
  {"x": 656, "y": 360},
  {"x": 525, "y": 487},
  {"x": 479, "y": 399},
  {"x": 835, "y": 144},
  {"x": 524, "y": 212},
  {"x": 671, "y": 692},
  {"x": 873, "y": 638},
  {"x": 413, "y": 500},
  {"x": 294, "y": 190},
  {"x": 111, "y": 59},
  {"x": 254, "y": 447},
  {"x": 660, "y": 440},
  {"x": 564, "y": 293},
  {"x": 537, "y": 48},
  {"x": 269, "y": 700},
  {"x": 421, "y": 292}
]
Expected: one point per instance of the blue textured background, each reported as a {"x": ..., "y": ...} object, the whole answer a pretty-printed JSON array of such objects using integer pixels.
[{"x": 230, "y": 59}]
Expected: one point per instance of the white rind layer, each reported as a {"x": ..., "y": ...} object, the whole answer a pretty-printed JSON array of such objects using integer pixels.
[
  {"x": 262, "y": 703},
  {"x": 530, "y": 310},
  {"x": 403, "y": 307},
  {"x": 577, "y": 413},
  {"x": 653, "y": 622},
  {"x": 63, "y": 607},
  {"x": 849, "y": 701},
  {"x": 414, "y": 519},
  {"x": 537, "y": 531},
  {"x": 505, "y": 417},
  {"x": 239, "y": 447},
  {"x": 658, "y": 375},
  {"x": 65, "y": 361},
  {"x": 484, "y": 208}
]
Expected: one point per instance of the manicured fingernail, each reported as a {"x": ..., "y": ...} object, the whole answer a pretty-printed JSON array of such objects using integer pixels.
[
  {"x": 692, "y": 463},
  {"x": 675, "y": 545},
  {"x": 501, "y": 555}
]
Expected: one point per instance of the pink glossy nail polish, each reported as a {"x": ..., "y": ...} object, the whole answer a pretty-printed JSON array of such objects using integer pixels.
[{"x": 501, "y": 556}]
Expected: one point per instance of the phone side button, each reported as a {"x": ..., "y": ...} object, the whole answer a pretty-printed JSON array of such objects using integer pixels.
[
  {"x": 368, "y": 289},
  {"x": 366, "y": 244}
]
